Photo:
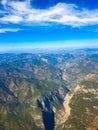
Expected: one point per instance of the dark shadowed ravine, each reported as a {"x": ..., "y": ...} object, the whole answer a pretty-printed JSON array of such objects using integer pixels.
[{"x": 48, "y": 120}]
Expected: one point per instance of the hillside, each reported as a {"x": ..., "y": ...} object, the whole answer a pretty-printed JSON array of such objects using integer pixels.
[
  {"x": 83, "y": 108},
  {"x": 49, "y": 91}
]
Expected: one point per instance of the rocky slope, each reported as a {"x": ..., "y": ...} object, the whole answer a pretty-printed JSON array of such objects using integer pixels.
[
  {"x": 28, "y": 82},
  {"x": 48, "y": 91},
  {"x": 80, "y": 108}
]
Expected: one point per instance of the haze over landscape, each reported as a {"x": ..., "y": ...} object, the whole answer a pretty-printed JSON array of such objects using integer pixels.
[{"x": 48, "y": 65}]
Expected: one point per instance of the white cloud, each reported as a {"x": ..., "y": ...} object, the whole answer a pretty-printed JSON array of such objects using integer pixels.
[
  {"x": 65, "y": 14},
  {"x": 3, "y": 30},
  {"x": 4, "y": 2},
  {"x": 11, "y": 19}
]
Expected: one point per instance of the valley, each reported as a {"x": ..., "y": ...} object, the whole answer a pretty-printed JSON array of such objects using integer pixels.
[{"x": 51, "y": 91}]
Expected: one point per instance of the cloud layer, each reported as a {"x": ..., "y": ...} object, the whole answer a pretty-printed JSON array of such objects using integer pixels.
[
  {"x": 16, "y": 12},
  {"x": 74, "y": 44}
]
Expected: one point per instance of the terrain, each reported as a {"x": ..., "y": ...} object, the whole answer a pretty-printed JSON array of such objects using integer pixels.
[{"x": 51, "y": 91}]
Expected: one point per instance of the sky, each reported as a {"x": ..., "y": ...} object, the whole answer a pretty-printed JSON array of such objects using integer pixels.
[{"x": 27, "y": 24}]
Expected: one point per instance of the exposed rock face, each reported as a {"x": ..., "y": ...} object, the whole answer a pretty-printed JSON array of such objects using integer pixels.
[
  {"x": 49, "y": 105},
  {"x": 63, "y": 114},
  {"x": 50, "y": 101}
]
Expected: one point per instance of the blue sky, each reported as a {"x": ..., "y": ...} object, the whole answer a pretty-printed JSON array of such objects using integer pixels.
[{"x": 48, "y": 23}]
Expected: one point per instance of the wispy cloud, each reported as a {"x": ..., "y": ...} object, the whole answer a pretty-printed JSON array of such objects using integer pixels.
[
  {"x": 3, "y": 30},
  {"x": 4, "y": 2},
  {"x": 62, "y": 13}
]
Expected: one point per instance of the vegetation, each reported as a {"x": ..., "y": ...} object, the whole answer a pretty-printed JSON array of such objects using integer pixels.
[
  {"x": 27, "y": 78},
  {"x": 84, "y": 107}
]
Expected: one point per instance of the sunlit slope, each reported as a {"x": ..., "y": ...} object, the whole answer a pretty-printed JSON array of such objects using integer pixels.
[{"x": 83, "y": 108}]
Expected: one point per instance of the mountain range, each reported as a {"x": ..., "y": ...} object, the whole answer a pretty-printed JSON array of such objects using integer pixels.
[{"x": 51, "y": 91}]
